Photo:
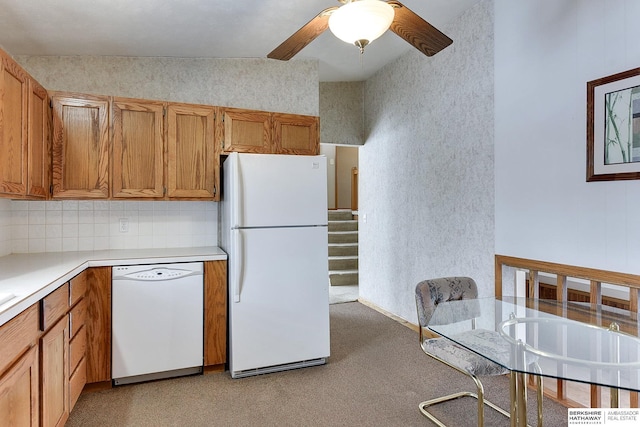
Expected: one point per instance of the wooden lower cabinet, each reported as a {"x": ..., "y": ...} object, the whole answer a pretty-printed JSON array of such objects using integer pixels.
[
  {"x": 19, "y": 392},
  {"x": 215, "y": 315},
  {"x": 43, "y": 372},
  {"x": 54, "y": 374},
  {"x": 19, "y": 370},
  {"x": 98, "y": 324}
]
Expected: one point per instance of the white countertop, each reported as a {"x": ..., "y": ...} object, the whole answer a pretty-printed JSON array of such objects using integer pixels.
[{"x": 30, "y": 277}]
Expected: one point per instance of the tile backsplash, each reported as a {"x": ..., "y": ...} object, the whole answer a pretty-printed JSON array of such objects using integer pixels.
[
  {"x": 5, "y": 227},
  {"x": 72, "y": 225}
]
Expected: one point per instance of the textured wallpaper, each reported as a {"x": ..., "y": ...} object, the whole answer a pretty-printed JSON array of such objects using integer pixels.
[
  {"x": 341, "y": 113},
  {"x": 258, "y": 84},
  {"x": 427, "y": 168}
]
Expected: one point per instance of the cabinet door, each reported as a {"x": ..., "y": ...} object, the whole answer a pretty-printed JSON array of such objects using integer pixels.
[
  {"x": 13, "y": 127},
  {"x": 54, "y": 373},
  {"x": 39, "y": 138},
  {"x": 215, "y": 315},
  {"x": 80, "y": 146},
  {"x": 19, "y": 404},
  {"x": 192, "y": 171},
  {"x": 246, "y": 131},
  {"x": 98, "y": 324},
  {"x": 295, "y": 134},
  {"x": 137, "y": 162}
]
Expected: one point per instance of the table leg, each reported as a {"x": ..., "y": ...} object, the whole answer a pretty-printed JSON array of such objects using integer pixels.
[
  {"x": 514, "y": 396},
  {"x": 521, "y": 389}
]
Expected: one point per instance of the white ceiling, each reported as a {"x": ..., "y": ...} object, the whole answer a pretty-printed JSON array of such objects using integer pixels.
[{"x": 199, "y": 28}]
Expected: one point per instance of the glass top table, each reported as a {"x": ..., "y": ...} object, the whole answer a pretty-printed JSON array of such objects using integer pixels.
[{"x": 564, "y": 340}]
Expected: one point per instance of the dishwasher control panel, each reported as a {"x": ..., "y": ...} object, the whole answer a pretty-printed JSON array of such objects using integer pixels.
[{"x": 157, "y": 272}]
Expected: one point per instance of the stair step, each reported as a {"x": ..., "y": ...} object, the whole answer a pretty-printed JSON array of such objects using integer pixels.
[
  {"x": 343, "y": 237},
  {"x": 343, "y": 277},
  {"x": 350, "y": 225},
  {"x": 343, "y": 249},
  {"x": 340, "y": 215},
  {"x": 343, "y": 263}
]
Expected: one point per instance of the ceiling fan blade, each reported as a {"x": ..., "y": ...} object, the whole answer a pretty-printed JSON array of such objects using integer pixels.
[
  {"x": 305, "y": 35},
  {"x": 418, "y": 32}
]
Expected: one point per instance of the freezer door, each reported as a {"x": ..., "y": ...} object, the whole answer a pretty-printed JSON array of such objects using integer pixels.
[
  {"x": 280, "y": 190},
  {"x": 279, "y": 298}
]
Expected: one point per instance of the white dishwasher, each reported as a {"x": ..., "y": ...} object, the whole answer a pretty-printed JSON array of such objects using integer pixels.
[{"x": 157, "y": 321}]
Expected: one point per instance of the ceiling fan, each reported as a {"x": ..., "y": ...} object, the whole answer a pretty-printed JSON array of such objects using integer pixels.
[{"x": 359, "y": 22}]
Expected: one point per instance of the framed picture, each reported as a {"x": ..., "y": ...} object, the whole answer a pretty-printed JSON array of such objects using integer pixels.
[{"x": 613, "y": 127}]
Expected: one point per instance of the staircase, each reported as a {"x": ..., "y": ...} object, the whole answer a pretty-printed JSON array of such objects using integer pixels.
[{"x": 343, "y": 248}]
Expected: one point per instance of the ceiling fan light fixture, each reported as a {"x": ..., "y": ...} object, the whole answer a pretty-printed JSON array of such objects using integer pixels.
[{"x": 361, "y": 22}]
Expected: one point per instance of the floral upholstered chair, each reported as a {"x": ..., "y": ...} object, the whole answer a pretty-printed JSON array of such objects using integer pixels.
[{"x": 430, "y": 293}]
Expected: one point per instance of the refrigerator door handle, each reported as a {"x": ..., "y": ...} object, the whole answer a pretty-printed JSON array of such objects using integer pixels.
[
  {"x": 237, "y": 216},
  {"x": 238, "y": 246}
]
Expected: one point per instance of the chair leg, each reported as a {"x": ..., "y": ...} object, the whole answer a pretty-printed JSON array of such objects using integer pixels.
[{"x": 479, "y": 396}]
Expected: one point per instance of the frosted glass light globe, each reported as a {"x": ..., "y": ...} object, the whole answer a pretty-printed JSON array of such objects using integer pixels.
[{"x": 361, "y": 22}]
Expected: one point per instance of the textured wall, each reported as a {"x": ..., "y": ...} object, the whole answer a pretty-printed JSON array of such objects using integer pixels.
[
  {"x": 341, "y": 113},
  {"x": 427, "y": 208},
  {"x": 544, "y": 57},
  {"x": 259, "y": 84}
]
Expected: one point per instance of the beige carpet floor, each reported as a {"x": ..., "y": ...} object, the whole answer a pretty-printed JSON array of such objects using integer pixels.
[{"x": 376, "y": 376}]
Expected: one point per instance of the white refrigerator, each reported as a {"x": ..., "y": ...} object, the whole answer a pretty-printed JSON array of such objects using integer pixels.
[{"x": 274, "y": 230}]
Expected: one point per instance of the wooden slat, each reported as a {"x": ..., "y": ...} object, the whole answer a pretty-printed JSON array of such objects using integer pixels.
[
  {"x": 561, "y": 283},
  {"x": 534, "y": 284},
  {"x": 595, "y": 292}
]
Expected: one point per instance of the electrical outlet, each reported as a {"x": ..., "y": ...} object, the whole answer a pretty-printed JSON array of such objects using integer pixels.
[{"x": 124, "y": 225}]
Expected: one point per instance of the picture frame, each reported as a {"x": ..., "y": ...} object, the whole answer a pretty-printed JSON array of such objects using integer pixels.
[{"x": 613, "y": 127}]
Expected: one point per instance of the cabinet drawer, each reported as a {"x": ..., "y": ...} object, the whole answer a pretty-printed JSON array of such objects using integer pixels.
[
  {"x": 76, "y": 382},
  {"x": 78, "y": 287},
  {"x": 17, "y": 335},
  {"x": 78, "y": 346},
  {"x": 77, "y": 317},
  {"x": 54, "y": 306}
]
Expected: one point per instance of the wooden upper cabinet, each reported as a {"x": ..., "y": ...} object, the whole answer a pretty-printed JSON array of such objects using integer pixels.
[
  {"x": 13, "y": 127},
  {"x": 246, "y": 131},
  {"x": 192, "y": 169},
  {"x": 39, "y": 141},
  {"x": 295, "y": 134},
  {"x": 138, "y": 149},
  {"x": 80, "y": 146}
]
